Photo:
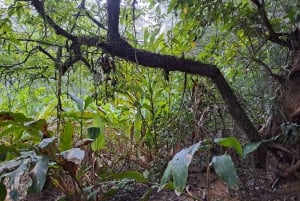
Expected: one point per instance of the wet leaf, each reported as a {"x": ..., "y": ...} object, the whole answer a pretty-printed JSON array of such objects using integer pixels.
[
  {"x": 14, "y": 180},
  {"x": 250, "y": 147},
  {"x": 178, "y": 169},
  {"x": 38, "y": 174},
  {"x": 225, "y": 169}
]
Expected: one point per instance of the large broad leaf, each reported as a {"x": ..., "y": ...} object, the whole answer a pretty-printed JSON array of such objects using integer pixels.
[
  {"x": 178, "y": 169},
  {"x": 14, "y": 180},
  {"x": 9, "y": 166},
  {"x": 2, "y": 191},
  {"x": 225, "y": 169},
  {"x": 15, "y": 117},
  {"x": 250, "y": 147},
  {"x": 38, "y": 174},
  {"x": 231, "y": 142},
  {"x": 66, "y": 137}
]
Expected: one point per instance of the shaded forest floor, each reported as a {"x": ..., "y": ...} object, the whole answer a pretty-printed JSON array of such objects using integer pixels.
[{"x": 255, "y": 184}]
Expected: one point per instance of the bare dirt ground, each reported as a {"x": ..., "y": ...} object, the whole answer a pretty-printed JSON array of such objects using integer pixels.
[{"x": 255, "y": 185}]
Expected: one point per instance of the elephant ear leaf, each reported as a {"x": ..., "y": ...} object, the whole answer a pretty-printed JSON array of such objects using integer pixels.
[{"x": 178, "y": 169}]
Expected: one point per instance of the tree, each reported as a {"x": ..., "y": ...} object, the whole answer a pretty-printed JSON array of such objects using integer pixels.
[{"x": 71, "y": 43}]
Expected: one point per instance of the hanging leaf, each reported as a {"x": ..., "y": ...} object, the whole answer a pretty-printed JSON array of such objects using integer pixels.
[
  {"x": 231, "y": 142},
  {"x": 250, "y": 147},
  {"x": 66, "y": 137},
  {"x": 38, "y": 175},
  {"x": 178, "y": 169},
  {"x": 225, "y": 169}
]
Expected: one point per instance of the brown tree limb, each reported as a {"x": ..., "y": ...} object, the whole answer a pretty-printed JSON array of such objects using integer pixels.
[
  {"x": 273, "y": 36},
  {"x": 121, "y": 48},
  {"x": 116, "y": 46}
]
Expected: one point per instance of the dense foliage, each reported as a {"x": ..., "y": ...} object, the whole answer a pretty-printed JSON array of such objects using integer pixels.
[{"x": 70, "y": 81}]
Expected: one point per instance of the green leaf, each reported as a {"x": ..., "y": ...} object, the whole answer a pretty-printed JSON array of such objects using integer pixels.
[
  {"x": 138, "y": 177},
  {"x": 2, "y": 191},
  {"x": 38, "y": 175},
  {"x": 250, "y": 147},
  {"x": 14, "y": 179},
  {"x": 230, "y": 142},
  {"x": 87, "y": 102},
  {"x": 225, "y": 169},
  {"x": 66, "y": 137},
  {"x": 36, "y": 124},
  {"x": 99, "y": 142},
  {"x": 93, "y": 132},
  {"x": 178, "y": 169}
]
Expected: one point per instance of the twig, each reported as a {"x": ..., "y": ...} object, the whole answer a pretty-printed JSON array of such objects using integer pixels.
[{"x": 273, "y": 36}]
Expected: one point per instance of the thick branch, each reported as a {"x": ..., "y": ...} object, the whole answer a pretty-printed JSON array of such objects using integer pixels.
[
  {"x": 113, "y": 11},
  {"x": 148, "y": 59},
  {"x": 119, "y": 47}
]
